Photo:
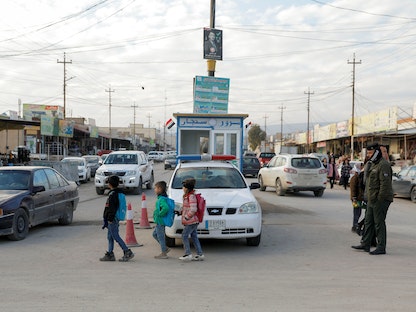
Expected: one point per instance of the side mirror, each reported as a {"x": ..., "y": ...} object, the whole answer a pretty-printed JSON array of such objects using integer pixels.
[
  {"x": 38, "y": 188},
  {"x": 254, "y": 185}
]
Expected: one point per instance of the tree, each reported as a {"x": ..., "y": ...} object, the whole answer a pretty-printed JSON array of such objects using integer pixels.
[{"x": 255, "y": 136}]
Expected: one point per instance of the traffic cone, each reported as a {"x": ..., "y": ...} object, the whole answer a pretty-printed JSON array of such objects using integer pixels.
[
  {"x": 144, "y": 220},
  {"x": 130, "y": 237}
]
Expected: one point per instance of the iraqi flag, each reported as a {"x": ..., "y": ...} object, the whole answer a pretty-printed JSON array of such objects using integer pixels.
[{"x": 170, "y": 123}]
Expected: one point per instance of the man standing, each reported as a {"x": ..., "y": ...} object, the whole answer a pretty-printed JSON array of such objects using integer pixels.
[{"x": 379, "y": 191}]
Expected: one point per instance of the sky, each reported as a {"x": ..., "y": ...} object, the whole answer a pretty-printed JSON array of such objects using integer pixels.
[{"x": 148, "y": 52}]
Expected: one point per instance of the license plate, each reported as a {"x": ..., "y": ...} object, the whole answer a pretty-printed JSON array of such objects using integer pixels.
[{"x": 215, "y": 224}]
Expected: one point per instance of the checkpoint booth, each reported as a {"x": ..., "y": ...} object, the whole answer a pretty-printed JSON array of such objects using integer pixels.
[{"x": 220, "y": 134}]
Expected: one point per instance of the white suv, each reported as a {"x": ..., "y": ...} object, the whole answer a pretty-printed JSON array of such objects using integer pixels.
[
  {"x": 131, "y": 167},
  {"x": 231, "y": 212},
  {"x": 294, "y": 173}
]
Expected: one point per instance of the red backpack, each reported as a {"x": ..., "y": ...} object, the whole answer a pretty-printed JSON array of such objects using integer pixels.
[{"x": 200, "y": 203}]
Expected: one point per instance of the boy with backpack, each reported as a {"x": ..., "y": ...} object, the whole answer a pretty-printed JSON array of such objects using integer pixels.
[
  {"x": 190, "y": 221},
  {"x": 161, "y": 211},
  {"x": 112, "y": 223}
]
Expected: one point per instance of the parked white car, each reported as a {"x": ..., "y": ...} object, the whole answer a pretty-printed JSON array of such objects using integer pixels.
[
  {"x": 131, "y": 167},
  {"x": 156, "y": 156},
  {"x": 84, "y": 171},
  {"x": 294, "y": 173},
  {"x": 231, "y": 212}
]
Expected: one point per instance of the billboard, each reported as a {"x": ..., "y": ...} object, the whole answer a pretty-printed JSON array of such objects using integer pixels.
[
  {"x": 211, "y": 95},
  {"x": 34, "y": 112},
  {"x": 212, "y": 44}
]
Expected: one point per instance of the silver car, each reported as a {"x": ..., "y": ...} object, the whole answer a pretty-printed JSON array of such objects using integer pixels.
[{"x": 294, "y": 173}]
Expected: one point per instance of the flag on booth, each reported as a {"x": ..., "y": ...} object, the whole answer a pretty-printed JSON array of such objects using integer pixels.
[
  {"x": 248, "y": 125},
  {"x": 170, "y": 123}
]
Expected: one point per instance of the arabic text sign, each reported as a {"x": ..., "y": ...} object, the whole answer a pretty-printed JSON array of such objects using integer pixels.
[
  {"x": 211, "y": 95},
  {"x": 212, "y": 123}
]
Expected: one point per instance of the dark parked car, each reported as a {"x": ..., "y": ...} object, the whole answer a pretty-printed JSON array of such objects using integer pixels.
[
  {"x": 251, "y": 166},
  {"x": 170, "y": 162},
  {"x": 404, "y": 183},
  {"x": 33, "y": 195},
  {"x": 94, "y": 162},
  {"x": 265, "y": 158}
]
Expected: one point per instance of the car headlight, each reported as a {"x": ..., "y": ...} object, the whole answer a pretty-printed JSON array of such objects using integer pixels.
[
  {"x": 251, "y": 207},
  {"x": 99, "y": 173},
  {"x": 131, "y": 173}
]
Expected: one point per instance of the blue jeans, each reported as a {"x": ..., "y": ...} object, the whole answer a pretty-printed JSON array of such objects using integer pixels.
[
  {"x": 113, "y": 235},
  {"x": 159, "y": 236},
  {"x": 190, "y": 230}
]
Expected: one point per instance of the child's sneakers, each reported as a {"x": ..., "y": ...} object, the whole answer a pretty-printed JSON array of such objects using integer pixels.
[
  {"x": 163, "y": 255},
  {"x": 198, "y": 258},
  {"x": 128, "y": 254},
  {"x": 186, "y": 257},
  {"x": 109, "y": 256}
]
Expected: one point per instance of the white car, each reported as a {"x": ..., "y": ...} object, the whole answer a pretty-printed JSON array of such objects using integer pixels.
[
  {"x": 84, "y": 171},
  {"x": 156, "y": 156},
  {"x": 232, "y": 211},
  {"x": 294, "y": 173},
  {"x": 131, "y": 167}
]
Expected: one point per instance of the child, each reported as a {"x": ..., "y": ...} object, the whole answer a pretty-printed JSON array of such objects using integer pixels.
[
  {"x": 190, "y": 221},
  {"x": 111, "y": 222},
  {"x": 160, "y": 211}
]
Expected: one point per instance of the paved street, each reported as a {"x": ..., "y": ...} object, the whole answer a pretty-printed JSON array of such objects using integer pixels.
[{"x": 304, "y": 263}]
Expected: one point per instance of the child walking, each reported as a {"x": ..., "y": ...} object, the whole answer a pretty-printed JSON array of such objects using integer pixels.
[
  {"x": 160, "y": 211},
  {"x": 190, "y": 222},
  {"x": 111, "y": 223}
]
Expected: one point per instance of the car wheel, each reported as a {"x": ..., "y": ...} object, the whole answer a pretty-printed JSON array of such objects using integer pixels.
[
  {"x": 413, "y": 194},
  {"x": 20, "y": 225},
  {"x": 318, "y": 193},
  {"x": 99, "y": 191},
  {"x": 149, "y": 185},
  {"x": 262, "y": 187},
  {"x": 279, "y": 189},
  {"x": 170, "y": 242},
  {"x": 67, "y": 217},
  {"x": 253, "y": 241},
  {"x": 138, "y": 190}
]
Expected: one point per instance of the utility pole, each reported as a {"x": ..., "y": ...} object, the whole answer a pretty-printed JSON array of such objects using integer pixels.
[
  {"x": 308, "y": 108},
  {"x": 265, "y": 130},
  {"x": 281, "y": 125},
  {"x": 109, "y": 114},
  {"x": 134, "y": 125},
  {"x": 353, "y": 104},
  {"x": 211, "y": 63},
  {"x": 164, "y": 126},
  {"x": 64, "y": 62}
]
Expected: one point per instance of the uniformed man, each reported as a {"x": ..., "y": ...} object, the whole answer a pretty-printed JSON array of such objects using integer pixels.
[{"x": 379, "y": 193}]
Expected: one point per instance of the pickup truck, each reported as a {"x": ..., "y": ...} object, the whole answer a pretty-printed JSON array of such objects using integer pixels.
[{"x": 132, "y": 168}]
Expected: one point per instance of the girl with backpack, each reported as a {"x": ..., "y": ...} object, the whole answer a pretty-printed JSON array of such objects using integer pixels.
[{"x": 190, "y": 221}]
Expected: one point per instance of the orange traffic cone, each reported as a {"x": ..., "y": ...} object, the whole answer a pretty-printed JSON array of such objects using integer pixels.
[
  {"x": 144, "y": 220},
  {"x": 130, "y": 237}
]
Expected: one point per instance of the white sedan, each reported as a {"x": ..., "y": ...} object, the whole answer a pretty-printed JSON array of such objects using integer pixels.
[
  {"x": 232, "y": 211},
  {"x": 84, "y": 171}
]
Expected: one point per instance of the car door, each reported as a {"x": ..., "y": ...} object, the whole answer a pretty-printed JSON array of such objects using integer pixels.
[
  {"x": 268, "y": 175},
  {"x": 43, "y": 201},
  {"x": 404, "y": 182},
  {"x": 59, "y": 193},
  {"x": 144, "y": 166}
]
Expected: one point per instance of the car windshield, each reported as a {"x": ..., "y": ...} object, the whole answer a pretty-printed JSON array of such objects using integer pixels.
[
  {"x": 119, "y": 159},
  {"x": 14, "y": 180},
  {"x": 210, "y": 177},
  {"x": 267, "y": 155},
  {"x": 306, "y": 162},
  {"x": 92, "y": 160},
  {"x": 79, "y": 162}
]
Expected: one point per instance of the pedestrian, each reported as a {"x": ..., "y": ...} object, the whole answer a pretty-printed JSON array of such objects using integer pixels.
[
  {"x": 356, "y": 194},
  {"x": 112, "y": 223},
  {"x": 379, "y": 193},
  {"x": 345, "y": 173},
  {"x": 332, "y": 171},
  {"x": 190, "y": 221},
  {"x": 161, "y": 210}
]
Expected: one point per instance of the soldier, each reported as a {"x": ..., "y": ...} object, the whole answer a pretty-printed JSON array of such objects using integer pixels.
[{"x": 379, "y": 193}]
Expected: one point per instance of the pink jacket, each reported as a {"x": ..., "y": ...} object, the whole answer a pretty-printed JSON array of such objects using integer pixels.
[
  {"x": 189, "y": 209},
  {"x": 331, "y": 170}
]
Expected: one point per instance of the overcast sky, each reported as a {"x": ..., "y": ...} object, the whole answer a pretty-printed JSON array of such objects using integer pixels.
[{"x": 273, "y": 51}]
